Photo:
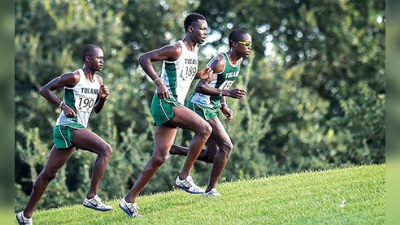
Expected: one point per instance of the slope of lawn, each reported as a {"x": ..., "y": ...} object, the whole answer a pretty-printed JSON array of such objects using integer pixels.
[{"x": 354, "y": 195}]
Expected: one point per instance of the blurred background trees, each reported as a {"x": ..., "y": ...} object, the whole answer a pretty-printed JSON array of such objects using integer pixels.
[{"x": 315, "y": 81}]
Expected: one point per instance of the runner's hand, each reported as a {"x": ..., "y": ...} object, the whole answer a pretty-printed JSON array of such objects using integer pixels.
[
  {"x": 206, "y": 74},
  {"x": 68, "y": 112},
  {"x": 228, "y": 113},
  {"x": 104, "y": 91},
  {"x": 162, "y": 91}
]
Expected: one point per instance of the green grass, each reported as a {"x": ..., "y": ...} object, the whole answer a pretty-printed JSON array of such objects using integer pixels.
[{"x": 302, "y": 198}]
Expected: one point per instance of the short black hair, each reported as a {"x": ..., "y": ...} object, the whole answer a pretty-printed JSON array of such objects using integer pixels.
[
  {"x": 192, "y": 18},
  {"x": 88, "y": 50},
  {"x": 236, "y": 35}
]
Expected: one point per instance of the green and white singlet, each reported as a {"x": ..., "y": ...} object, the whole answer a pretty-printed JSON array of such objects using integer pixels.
[
  {"x": 81, "y": 99},
  {"x": 222, "y": 81},
  {"x": 178, "y": 75}
]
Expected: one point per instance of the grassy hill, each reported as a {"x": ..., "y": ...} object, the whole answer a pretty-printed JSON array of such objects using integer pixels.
[{"x": 353, "y": 195}]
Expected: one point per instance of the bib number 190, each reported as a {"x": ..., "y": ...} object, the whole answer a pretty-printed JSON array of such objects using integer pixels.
[{"x": 85, "y": 103}]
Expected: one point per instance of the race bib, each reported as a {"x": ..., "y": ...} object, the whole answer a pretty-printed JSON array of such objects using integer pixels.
[{"x": 84, "y": 104}]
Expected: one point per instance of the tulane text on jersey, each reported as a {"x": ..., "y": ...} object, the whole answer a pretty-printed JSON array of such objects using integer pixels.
[
  {"x": 191, "y": 61},
  {"x": 90, "y": 91},
  {"x": 232, "y": 74}
]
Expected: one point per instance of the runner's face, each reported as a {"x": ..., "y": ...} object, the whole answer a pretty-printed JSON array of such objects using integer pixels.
[
  {"x": 97, "y": 60},
  {"x": 242, "y": 49},
  {"x": 200, "y": 31}
]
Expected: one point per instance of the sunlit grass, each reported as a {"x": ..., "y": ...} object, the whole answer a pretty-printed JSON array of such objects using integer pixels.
[{"x": 303, "y": 198}]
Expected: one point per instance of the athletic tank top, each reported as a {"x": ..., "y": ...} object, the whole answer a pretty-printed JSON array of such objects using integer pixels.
[
  {"x": 81, "y": 99},
  {"x": 222, "y": 81},
  {"x": 178, "y": 75}
]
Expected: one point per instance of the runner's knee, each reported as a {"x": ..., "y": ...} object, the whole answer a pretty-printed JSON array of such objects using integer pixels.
[
  {"x": 226, "y": 147},
  {"x": 154, "y": 164},
  {"x": 49, "y": 175},
  {"x": 107, "y": 151},
  {"x": 159, "y": 159},
  {"x": 205, "y": 129}
]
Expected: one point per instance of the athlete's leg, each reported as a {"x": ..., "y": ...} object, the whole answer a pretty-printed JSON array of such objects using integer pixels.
[
  {"x": 206, "y": 155},
  {"x": 187, "y": 119},
  {"x": 212, "y": 149},
  {"x": 57, "y": 158},
  {"x": 221, "y": 138},
  {"x": 87, "y": 140},
  {"x": 164, "y": 138},
  {"x": 180, "y": 150}
]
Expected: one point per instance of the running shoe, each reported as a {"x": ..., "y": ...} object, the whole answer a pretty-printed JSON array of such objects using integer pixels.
[
  {"x": 188, "y": 185},
  {"x": 212, "y": 193},
  {"x": 96, "y": 204},
  {"x": 22, "y": 220},
  {"x": 131, "y": 209}
]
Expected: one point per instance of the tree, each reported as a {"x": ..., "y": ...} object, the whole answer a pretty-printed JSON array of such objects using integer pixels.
[{"x": 320, "y": 70}]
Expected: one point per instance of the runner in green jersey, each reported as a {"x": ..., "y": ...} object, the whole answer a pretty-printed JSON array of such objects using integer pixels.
[
  {"x": 179, "y": 69},
  {"x": 84, "y": 92},
  {"x": 209, "y": 98}
]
